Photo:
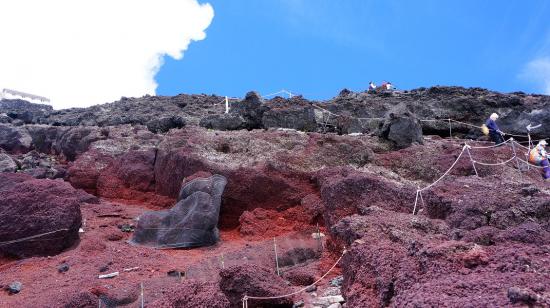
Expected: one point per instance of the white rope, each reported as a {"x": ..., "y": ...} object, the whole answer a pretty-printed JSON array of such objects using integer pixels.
[
  {"x": 495, "y": 164},
  {"x": 491, "y": 146},
  {"x": 283, "y": 91},
  {"x": 530, "y": 164},
  {"x": 446, "y": 172},
  {"x": 31, "y": 237},
  {"x": 246, "y": 297}
]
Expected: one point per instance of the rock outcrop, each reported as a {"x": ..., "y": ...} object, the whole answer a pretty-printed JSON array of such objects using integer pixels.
[
  {"x": 401, "y": 127},
  {"x": 240, "y": 280}
]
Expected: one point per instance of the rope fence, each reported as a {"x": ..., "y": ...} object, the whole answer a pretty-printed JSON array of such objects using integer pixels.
[
  {"x": 466, "y": 148},
  {"x": 246, "y": 297}
]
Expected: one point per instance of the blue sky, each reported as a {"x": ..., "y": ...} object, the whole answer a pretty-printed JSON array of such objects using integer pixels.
[{"x": 318, "y": 47}]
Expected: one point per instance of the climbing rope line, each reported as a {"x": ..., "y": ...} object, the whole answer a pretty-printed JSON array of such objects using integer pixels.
[
  {"x": 494, "y": 164},
  {"x": 420, "y": 190},
  {"x": 28, "y": 238},
  {"x": 491, "y": 146},
  {"x": 446, "y": 172},
  {"x": 246, "y": 297},
  {"x": 530, "y": 164},
  {"x": 467, "y": 148}
]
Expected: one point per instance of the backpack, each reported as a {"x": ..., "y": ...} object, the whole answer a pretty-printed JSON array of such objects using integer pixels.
[{"x": 485, "y": 129}]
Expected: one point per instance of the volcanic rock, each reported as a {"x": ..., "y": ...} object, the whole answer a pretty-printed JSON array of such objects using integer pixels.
[
  {"x": 192, "y": 294},
  {"x": 39, "y": 217},
  {"x": 225, "y": 121},
  {"x": 14, "y": 287},
  {"x": 401, "y": 127},
  {"x": 77, "y": 140},
  {"x": 164, "y": 124},
  {"x": 14, "y": 139},
  {"x": 23, "y": 110},
  {"x": 345, "y": 191},
  {"x": 300, "y": 276},
  {"x": 295, "y": 113},
  {"x": 7, "y": 164},
  {"x": 252, "y": 280},
  {"x": 251, "y": 109}
]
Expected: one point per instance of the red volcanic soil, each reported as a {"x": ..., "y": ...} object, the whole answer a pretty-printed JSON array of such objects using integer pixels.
[{"x": 104, "y": 249}]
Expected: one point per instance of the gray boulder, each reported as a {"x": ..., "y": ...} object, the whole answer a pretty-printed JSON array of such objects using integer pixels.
[
  {"x": 14, "y": 139},
  {"x": 401, "y": 127}
]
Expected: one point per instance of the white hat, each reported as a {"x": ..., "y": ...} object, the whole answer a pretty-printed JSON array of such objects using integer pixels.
[
  {"x": 494, "y": 116},
  {"x": 543, "y": 142}
]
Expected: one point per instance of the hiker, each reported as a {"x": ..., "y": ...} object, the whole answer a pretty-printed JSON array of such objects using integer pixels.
[
  {"x": 494, "y": 132},
  {"x": 539, "y": 157},
  {"x": 372, "y": 86},
  {"x": 389, "y": 86}
]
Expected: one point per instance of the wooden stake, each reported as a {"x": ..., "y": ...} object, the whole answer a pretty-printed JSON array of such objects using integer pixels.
[
  {"x": 276, "y": 257},
  {"x": 142, "y": 299},
  {"x": 226, "y": 104}
]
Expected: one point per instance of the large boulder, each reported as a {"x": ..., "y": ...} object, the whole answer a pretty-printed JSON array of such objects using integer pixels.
[
  {"x": 77, "y": 140},
  {"x": 251, "y": 109},
  {"x": 253, "y": 280},
  {"x": 14, "y": 139},
  {"x": 401, "y": 127},
  {"x": 39, "y": 217},
  {"x": 192, "y": 222},
  {"x": 44, "y": 137}
]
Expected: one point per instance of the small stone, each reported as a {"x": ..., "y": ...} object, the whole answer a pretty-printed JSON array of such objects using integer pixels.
[
  {"x": 14, "y": 287},
  {"x": 63, "y": 268},
  {"x": 335, "y": 305},
  {"x": 524, "y": 296},
  {"x": 311, "y": 288},
  {"x": 127, "y": 228},
  {"x": 108, "y": 276},
  {"x": 336, "y": 282},
  {"x": 328, "y": 300},
  {"x": 298, "y": 304}
]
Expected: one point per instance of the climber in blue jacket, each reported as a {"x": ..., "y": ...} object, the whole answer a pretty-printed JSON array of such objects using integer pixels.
[{"x": 494, "y": 132}]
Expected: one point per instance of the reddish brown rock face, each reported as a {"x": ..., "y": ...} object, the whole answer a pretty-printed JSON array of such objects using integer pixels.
[
  {"x": 475, "y": 241},
  {"x": 47, "y": 211}
]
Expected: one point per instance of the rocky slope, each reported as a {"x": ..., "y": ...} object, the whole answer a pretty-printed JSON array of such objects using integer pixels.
[{"x": 291, "y": 171}]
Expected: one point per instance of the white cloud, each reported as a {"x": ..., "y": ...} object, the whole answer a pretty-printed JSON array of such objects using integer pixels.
[
  {"x": 80, "y": 53},
  {"x": 538, "y": 71}
]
